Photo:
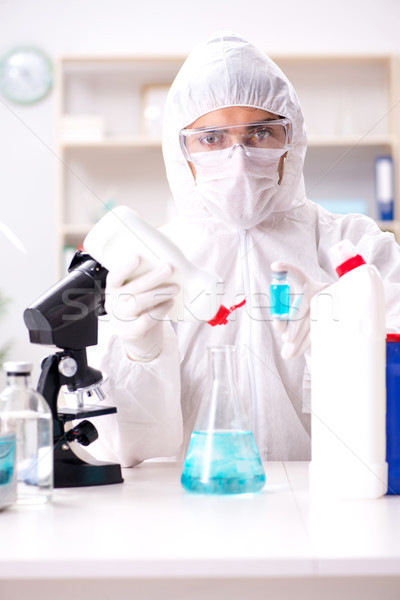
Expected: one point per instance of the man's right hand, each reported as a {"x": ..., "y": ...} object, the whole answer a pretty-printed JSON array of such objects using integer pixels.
[{"x": 137, "y": 306}]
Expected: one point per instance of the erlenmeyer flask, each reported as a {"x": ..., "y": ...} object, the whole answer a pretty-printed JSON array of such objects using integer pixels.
[{"x": 222, "y": 457}]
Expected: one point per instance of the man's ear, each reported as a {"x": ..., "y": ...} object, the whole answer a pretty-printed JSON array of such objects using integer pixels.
[
  {"x": 191, "y": 166},
  {"x": 281, "y": 167}
]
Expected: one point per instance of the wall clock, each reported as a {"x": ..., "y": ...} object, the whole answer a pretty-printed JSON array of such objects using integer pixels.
[{"x": 26, "y": 75}]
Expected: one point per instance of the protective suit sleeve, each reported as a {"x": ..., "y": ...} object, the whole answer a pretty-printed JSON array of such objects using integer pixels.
[
  {"x": 148, "y": 422},
  {"x": 385, "y": 255}
]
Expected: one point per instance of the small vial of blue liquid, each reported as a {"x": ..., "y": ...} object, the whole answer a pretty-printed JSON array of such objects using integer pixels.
[
  {"x": 279, "y": 295},
  {"x": 222, "y": 457}
]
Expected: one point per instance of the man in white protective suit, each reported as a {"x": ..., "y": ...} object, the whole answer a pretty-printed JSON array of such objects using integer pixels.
[{"x": 234, "y": 143}]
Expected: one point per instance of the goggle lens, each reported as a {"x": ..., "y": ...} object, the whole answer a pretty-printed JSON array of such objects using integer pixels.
[{"x": 264, "y": 134}]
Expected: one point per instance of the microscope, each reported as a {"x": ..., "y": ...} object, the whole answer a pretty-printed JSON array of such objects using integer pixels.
[{"x": 66, "y": 317}]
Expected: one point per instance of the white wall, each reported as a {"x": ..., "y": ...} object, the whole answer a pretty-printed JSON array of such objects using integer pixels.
[{"x": 27, "y": 156}]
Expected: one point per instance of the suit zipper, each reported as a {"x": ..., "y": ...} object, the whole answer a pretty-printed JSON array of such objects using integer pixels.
[{"x": 249, "y": 336}]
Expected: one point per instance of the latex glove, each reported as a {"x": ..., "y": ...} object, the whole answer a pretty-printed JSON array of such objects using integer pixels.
[
  {"x": 296, "y": 330},
  {"x": 137, "y": 305}
]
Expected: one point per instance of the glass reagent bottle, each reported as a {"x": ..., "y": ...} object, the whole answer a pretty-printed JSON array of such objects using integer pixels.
[{"x": 26, "y": 414}]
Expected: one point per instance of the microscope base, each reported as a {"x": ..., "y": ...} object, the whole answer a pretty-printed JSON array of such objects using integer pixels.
[{"x": 71, "y": 471}]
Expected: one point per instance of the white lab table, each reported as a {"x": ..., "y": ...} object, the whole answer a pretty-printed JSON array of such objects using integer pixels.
[{"x": 149, "y": 539}]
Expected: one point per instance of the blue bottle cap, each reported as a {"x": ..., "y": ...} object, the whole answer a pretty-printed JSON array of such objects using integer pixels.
[{"x": 279, "y": 274}]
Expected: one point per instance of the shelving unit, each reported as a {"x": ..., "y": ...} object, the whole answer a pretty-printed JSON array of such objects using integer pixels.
[
  {"x": 108, "y": 154},
  {"x": 350, "y": 104},
  {"x": 110, "y": 151}
]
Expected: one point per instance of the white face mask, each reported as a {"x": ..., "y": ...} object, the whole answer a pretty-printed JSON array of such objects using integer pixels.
[{"x": 236, "y": 184}]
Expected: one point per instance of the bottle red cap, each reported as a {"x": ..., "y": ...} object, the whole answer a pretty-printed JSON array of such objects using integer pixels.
[
  {"x": 344, "y": 257},
  {"x": 221, "y": 318},
  {"x": 393, "y": 337},
  {"x": 350, "y": 264}
]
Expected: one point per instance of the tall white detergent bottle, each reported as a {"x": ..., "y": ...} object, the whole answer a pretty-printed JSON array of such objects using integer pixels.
[
  {"x": 348, "y": 393},
  {"x": 122, "y": 234}
]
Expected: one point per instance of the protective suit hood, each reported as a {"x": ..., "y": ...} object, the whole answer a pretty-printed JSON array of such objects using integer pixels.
[{"x": 225, "y": 71}]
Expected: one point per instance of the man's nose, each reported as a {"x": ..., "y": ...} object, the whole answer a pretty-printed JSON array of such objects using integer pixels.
[{"x": 235, "y": 148}]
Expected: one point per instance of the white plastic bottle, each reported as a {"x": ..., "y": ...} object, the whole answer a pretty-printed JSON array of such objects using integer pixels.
[
  {"x": 348, "y": 396},
  {"x": 122, "y": 234},
  {"x": 26, "y": 414}
]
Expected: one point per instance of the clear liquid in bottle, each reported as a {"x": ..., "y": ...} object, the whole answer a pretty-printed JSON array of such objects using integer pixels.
[
  {"x": 26, "y": 415},
  {"x": 34, "y": 458}
]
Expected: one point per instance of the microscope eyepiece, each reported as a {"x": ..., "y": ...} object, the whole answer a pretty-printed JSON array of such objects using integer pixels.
[{"x": 66, "y": 315}]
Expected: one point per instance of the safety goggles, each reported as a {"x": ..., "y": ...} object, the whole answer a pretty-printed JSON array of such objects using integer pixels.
[{"x": 275, "y": 134}]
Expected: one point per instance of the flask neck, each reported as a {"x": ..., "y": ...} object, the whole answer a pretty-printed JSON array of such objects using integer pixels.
[
  {"x": 221, "y": 365},
  {"x": 221, "y": 408}
]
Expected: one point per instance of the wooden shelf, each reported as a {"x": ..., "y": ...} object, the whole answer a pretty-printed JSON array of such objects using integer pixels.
[
  {"x": 349, "y": 141},
  {"x": 75, "y": 229},
  {"x": 146, "y": 142},
  {"x": 114, "y": 142},
  {"x": 393, "y": 226}
]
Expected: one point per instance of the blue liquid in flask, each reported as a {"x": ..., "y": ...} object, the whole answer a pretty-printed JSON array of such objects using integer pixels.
[{"x": 223, "y": 462}]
